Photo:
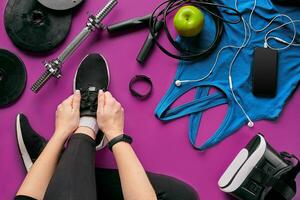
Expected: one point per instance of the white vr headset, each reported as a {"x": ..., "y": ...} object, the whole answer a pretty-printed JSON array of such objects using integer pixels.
[{"x": 258, "y": 172}]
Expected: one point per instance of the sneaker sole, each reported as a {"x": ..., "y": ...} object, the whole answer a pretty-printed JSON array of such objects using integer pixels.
[
  {"x": 21, "y": 145},
  {"x": 104, "y": 141}
]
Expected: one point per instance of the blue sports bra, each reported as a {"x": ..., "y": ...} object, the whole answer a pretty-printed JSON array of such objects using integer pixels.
[{"x": 243, "y": 106}]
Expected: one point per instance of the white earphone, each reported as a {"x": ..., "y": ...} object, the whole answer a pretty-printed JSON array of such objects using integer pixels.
[{"x": 247, "y": 28}]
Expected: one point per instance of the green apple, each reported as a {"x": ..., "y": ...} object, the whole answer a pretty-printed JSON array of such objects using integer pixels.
[{"x": 189, "y": 21}]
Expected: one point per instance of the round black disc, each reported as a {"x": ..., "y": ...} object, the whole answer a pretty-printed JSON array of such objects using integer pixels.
[
  {"x": 60, "y": 4},
  {"x": 33, "y": 27},
  {"x": 12, "y": 77}
]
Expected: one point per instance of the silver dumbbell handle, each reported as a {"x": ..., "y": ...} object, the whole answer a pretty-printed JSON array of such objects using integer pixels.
[
  {"x": 93, "y": 23},
  {"x": 106, "y": 10},
  {"x": 71, "y": 48},
  {"x": 41, "y": 82}
]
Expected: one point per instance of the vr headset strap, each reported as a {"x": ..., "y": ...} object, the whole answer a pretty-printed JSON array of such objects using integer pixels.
[
  {"x": 286, "y": 191},
  {"x": 285, "y": 188}
]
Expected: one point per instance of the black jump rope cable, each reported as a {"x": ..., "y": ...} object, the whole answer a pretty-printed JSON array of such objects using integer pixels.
[
  {"x": 164, "y": 9},
  {"x": 191, "y": 55},
  {"x": 247, "y": 29}
]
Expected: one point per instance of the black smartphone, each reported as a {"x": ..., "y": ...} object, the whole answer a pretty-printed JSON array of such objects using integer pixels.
[{"x": 265, "y": 72}]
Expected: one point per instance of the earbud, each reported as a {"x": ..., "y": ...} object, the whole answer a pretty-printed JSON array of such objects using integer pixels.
[
  {"x": 178, "y": 83},
  {"x": 250, "y": 124}
]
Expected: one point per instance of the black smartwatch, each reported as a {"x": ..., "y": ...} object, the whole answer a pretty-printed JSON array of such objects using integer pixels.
[{"x": 120, "y": 138}]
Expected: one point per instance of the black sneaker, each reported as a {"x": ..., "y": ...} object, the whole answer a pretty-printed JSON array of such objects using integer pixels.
[
  {"x": 30, "y": 143},
  {"x": 92, "y": 76}
]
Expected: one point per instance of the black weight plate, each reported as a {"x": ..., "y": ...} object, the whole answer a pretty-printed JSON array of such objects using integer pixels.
[
  {"x": 33, "y": 27},
  {"x": 12, "y": 77},
  {"x": 60, "y": 4}
]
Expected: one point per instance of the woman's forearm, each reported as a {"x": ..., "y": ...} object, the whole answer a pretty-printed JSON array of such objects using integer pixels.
[
  {"x": 40, "y": 174},
  {"x": 134, "y": 181}
]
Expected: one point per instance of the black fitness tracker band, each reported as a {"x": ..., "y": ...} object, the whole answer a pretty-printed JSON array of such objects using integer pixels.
[
  {"x": 140, "y": 78},
  {"x": 120, "y": 138}
]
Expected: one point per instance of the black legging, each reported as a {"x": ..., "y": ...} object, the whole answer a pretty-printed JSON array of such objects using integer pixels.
[{"x": 76, "y": 179}]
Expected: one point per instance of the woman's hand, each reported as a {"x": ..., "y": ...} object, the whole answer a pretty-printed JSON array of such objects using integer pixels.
[
  {"x": 67, "y": 116},
  {"x": 110, "y": 115}
]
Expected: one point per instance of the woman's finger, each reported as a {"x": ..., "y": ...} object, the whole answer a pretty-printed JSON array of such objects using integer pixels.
[
  {"x": 101, "y": 101},
  {"x": 69, "y": 100},
  {"x": 109, "y": 99},
  {"x": 76, "y": 101}
]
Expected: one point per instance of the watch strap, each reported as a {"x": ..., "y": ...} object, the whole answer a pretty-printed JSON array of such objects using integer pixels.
[
  {"x": 135, "y": 93},
  {"x": 120, "y": 138}
]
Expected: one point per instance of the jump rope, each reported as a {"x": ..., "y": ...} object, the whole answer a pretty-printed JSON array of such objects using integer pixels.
[
  {"x": 164, "y": 9},
  {"x": 248, "y": 27}
]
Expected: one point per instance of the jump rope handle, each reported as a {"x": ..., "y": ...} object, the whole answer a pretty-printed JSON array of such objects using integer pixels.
[
  {"x": 127, "y": 25},
  {"x": 149, "y": 43}
]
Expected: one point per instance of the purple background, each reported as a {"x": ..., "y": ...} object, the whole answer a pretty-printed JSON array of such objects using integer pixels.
[{"x": 162, "y": 148}]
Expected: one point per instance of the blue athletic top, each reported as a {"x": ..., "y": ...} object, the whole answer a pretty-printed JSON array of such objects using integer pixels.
[{"x": 255, "y": 107}]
